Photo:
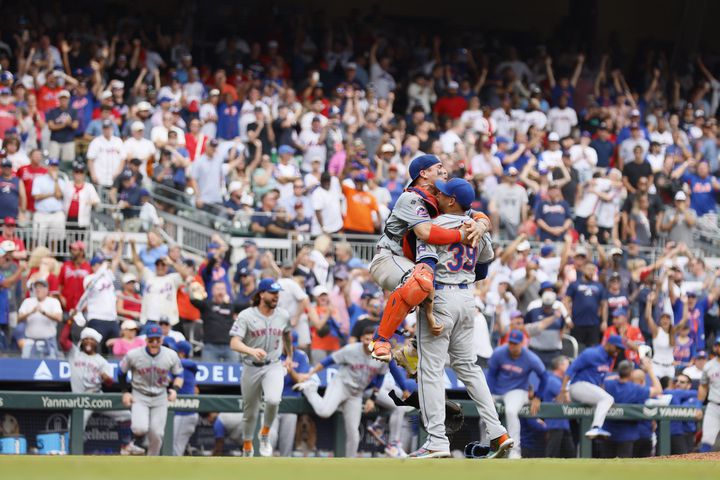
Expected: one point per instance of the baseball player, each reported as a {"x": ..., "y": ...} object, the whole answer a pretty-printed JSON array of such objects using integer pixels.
[
  {"x": 709, "y": 389},
  {"x": 508, "y": 376},
  {"x": 455, "y": 269},
  {"x": 151, "y": 367},
  {"x": 227, "y": 424},
  {"x": 261, "y": 334},
  {"x": 586, "y": 375},
  {"x": 357, "y": 371},
  {"x": 184, "y": 423},
  {"x": 412, "y": 283},
  {"x": 282, "y": 430},
  {"x": 89, "y": 371}
]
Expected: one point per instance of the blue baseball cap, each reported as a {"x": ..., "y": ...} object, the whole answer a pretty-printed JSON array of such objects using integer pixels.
[
  {"x": 213, "y": 245},
  {"x": 620, "y": 312},
  {"x": 286, "y": 150},
  {"x": 547, "y": 250},
  {"x": 500, "y": 140},
  {"x": 153, "y": 331},
  {"x": 547, "y": 284},
  {"x": 269, "y": 285},
  {"x": 360, "y": 177},
  {"x": 516, "y": 336},
  {"x": 458, "y": 188},
  {"x": 164, "y": 99},
  {"x": 616, "y": 340},
  {"x": 96, "y": 259},
  {"x": 183, "y": 346},
  {"x": 421, "y": 163},
  {"x": 53, "y": 162},
  {"x": 170, "y": 343}
]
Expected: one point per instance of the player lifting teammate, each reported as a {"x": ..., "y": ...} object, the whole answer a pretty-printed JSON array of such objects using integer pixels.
[{"x": 390, "y": 268}]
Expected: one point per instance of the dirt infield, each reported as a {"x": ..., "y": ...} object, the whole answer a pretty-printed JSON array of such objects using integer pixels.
[{"x": 704, "y": 457}]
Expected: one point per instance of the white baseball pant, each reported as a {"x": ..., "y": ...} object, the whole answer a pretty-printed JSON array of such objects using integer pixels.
[
  {"x": 387, "y": 270},
  {"x": 282, "y": 433},
  {"x": 336, "y": 394},
  {"x": 513, "y": 401},
  {"x": 183, "y": 429},
  {"x": 711, "y": 424},
  {"x": 149, "y": 415},
  {"x": 455, "y": 308},
  {"x": 586, "y": 392},
  {"x": 257, "y": 382}
]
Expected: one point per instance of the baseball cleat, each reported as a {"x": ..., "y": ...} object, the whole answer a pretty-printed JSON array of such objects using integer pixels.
[
  {"x": 425, "y": 453},
  {"x": 476, "y": 450},
  {"x": 249, "y": 453},
  {"x": 407, "y": 358},
  {"x": 266, "y": 449},
  {"x": 597, "y": 432},
  {"x": 131, "y": 449},
  {"x": 381, "y": 350},
  {"x": 500, "y": 446}
]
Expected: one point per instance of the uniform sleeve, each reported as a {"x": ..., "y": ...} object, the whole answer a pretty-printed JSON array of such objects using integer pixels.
[
  {"x": 177, "y": 280},
  {"x": 219, "y": 428},
  {"x": 397, "y": 375},
  {"x": 303, "y": 364},
  {"x": 571, "y": 290},
  {"x": 704, "y": 378},
  {"x": 411, "y": 209},
  {"x": 125, "y": 364},
  {"x": 578, "y": 364},
  {"x": 177, "y": 368},
  {"x": 288, "y": 325},
  {"x": 493, "y": 366},
  {"x": 425, "y": 250},
  {"x": 239, "y": 328},
  {"x": 340, "y": 356}
]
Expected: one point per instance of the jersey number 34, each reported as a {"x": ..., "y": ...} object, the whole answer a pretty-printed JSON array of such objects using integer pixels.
[{"x": 464, "y": 257}]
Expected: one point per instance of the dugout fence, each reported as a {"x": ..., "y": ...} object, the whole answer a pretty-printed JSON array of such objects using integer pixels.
[{"x": 76, "y": 403}]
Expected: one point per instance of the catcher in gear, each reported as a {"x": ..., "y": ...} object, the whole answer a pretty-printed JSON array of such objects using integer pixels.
[{"x": 391, "y": 268}]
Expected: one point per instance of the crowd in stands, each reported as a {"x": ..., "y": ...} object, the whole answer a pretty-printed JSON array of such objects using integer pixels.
[{"x": 297, "y": 133}]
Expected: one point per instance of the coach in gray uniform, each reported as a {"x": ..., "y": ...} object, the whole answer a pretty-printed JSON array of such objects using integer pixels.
[
  {"x": 261, "y": 334},
  {"x": 151, "y": 367},
  {"x": 710, "y": 389},
  {"x": 454, "y": 308}
]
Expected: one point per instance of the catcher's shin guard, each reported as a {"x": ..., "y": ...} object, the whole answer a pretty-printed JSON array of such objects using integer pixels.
[{"x": 407, "y": 296}]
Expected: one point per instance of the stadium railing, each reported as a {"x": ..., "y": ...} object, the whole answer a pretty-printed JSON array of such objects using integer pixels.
[{"x": 76, "y": 403}]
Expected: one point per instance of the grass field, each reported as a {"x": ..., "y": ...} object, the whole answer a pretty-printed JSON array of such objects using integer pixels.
[{"x": 140, "y": 468}]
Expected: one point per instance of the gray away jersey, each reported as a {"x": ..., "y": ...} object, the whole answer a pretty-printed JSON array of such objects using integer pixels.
[
  {"x": 357, "y": 369},
  {"x": 711, "y": 378},
  {"x": 409, "y": 211},
  {"x": 455, "y": 262},
  {"x": 86, "y": 371},
  {"x": 151, "y": 375},
  {"x": 258, "y": 331}
]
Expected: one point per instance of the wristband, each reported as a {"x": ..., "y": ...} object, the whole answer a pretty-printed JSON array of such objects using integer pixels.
[
  {"x": 373, "y": 395},
  {"x": 174, "y": 387}
]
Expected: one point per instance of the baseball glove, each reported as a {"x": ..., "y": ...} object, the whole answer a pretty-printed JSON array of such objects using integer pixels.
[{"x": 454, "y": 417}]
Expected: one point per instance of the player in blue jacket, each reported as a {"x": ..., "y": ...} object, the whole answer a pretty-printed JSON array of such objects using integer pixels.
[
  {"x": 184, "y": 423},
  {"x": 682, "y": 434},
  {"x": 624, "y": 390},
  {"x": 586, "y": 375},
  {"x": 508, "y": 377},
  {"x": 560, "y": 442}
]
